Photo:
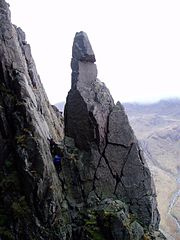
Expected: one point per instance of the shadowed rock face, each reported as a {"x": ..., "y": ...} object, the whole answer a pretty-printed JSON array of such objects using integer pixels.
[{"x": 111, "y": 163}]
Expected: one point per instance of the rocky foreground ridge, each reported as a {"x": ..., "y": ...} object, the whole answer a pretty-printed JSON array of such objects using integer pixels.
[{"x": 104, "y": 190}]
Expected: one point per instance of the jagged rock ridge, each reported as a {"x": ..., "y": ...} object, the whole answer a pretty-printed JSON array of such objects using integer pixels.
[
  {"x": 28, "y": 202},
  {"x": 113, "y": 165}
]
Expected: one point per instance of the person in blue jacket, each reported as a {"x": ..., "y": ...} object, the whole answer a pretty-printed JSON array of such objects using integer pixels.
[{"x": 57, "y": 163}]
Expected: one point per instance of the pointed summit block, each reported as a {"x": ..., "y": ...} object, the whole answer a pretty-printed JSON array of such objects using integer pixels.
[{"x": 82, "y": 50}]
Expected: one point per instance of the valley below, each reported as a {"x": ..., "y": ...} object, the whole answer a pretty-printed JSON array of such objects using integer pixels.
[{"x": 157, "y": 127}]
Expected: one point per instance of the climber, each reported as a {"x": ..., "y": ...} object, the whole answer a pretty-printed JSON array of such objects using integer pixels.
[{"x": 57, "y": 163}]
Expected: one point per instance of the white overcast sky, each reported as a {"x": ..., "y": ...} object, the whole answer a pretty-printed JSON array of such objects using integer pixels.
[{"x": 136, "y": 43}]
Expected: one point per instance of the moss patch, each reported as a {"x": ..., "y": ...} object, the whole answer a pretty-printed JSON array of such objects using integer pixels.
[
  {"x": 91, "y": 228},
  {"x": 14, "y": 210}
]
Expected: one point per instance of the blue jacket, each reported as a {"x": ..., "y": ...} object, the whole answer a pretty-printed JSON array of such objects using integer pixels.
[{"x": 57, "y": 159}]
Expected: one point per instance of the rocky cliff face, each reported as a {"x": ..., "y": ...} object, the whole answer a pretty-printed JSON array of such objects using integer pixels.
[
  {"x": 29, "y": 189},
  {"x": 104, "y": 190}
]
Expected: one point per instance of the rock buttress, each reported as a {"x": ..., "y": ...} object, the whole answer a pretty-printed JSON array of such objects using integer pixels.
[
  {"x": 30, "y": 191},
  {"x": 110, "y": 163}
]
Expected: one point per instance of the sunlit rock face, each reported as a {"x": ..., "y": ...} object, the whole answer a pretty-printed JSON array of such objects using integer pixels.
[
  {"x": 111, "y": 164},
  {"x": 30, "y": 194}
]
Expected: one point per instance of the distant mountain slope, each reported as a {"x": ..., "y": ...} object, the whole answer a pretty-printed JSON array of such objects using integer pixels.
[
  {"x": 163, "y": 107},
  {"x": 157, "y": 127},
  {"x": 60, "y": 106}
]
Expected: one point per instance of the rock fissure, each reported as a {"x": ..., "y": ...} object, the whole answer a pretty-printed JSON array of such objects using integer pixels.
[
  {"x": 108, "y": 164},
  {"x": 126, "y": 159},
  {"x": 118, "y": 144},
  {"x": 140, "y": 157},
  {"x": 95, "y": 177}
]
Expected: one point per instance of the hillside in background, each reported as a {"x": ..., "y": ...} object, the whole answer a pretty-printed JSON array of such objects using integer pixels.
[
  {"x": 60, "y": 106},
  {"x": 157, "y": 127}
]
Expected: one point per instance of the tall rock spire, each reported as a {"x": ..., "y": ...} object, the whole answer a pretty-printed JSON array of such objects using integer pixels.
[
  {"x": 88, "y": 98},
  {"x": 112, "y": 162}
]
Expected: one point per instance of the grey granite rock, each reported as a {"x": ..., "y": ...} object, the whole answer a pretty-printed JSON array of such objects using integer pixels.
[
  {"x": 101, "y": 129},
  {"x": 120, "y": 132},
  {"x": 89, "y": 99},
  {"x": 136, "y": 231},
  {"x": 82, "y": 50},
  {"x": 31, "y": 195}
]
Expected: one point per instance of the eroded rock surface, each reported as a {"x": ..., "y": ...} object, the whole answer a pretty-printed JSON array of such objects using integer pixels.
[
  {"x": 110, "y": 163},
  {"x": 30, "y": 193}
]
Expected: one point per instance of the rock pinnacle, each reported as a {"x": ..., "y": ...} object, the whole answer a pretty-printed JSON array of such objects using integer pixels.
[{"x": 82, "y": 50}]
